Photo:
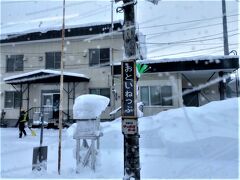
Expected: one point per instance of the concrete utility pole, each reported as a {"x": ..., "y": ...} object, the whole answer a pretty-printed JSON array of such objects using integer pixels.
[
  {"x": 129, "y": 94},
  {"x": 225, "y": 29},
  {"x": 222, "y": 85}
]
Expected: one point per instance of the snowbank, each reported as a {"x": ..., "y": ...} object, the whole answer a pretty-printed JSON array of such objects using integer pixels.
[
  {"x": 216, "y": 119},
  {"x": 89, "y": 106}
]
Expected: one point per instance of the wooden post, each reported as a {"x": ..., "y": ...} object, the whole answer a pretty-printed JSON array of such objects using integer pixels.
[{"x": 61, "y": 94}]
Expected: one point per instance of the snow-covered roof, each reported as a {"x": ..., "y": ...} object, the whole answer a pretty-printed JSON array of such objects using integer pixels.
[
  {"x": 184, "y": 59},
  {"x": 71, "y": 30},
  {"x": 195, "y": 63},
  {"x": 42, "y": 74},
  {"x": 56, "y": 28}
]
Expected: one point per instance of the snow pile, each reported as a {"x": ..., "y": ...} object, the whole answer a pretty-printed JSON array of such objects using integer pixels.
[
  {"x": 89, "y": 106},
  {"x": 216, "y": 119}
]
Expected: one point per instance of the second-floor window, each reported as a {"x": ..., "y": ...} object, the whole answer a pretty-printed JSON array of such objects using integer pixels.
[
  {"x": 99, "y": 56},
  {"x": 101, "y": 91},
  {"x": 53, "y": 60},
  {"x": 12, "y": 99},
  {"x": 14, "y": 63}
]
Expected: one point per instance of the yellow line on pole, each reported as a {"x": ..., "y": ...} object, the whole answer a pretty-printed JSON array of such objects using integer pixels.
[{"x": 61, "y": 93}]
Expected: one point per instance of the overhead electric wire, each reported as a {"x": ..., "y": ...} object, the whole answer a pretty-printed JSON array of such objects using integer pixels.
[
  {"x": 207, "y": 36},
  {"x": 185, "y": 22},
  {"x": 192, "y": 51},
  {"x": 82, "y": 16},
  {"x": 188, "y": 41},
  {"x": 191, "y": 28}
]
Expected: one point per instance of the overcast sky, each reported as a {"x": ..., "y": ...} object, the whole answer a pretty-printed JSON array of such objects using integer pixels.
[{"x": 172, "y": 28}]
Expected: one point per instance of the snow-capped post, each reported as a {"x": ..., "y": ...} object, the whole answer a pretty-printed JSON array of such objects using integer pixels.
[{"x": 129, "y": 94}]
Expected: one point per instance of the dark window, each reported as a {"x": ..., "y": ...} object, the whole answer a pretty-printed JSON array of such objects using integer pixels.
[
  {"x": 94, "y": 56},
  {"x": 14, "y": 63},
  {"x": 156, "y": 95},
  {"x": 99, "y": 56},
  {"x": 101, "y": 91},
  {"x": 166, "y": 92},
  {"x": 12, "y": 99},
  {"x": 53, "y": 60},
  {"x": 144, "y": 94}
]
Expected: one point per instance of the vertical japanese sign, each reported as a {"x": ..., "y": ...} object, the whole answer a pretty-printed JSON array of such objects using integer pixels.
[{"x": 128, "y": 89}]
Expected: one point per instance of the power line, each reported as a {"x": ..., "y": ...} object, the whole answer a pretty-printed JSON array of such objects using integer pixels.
[
  {"x": 192, "y": 51},
  {"x": 209, "y": 25},
  {"x": 188, "y": 41},
  {"x": 184, "y": 22},
  {"x": 207, "y": 36},
  {"x": 85, "y": 15}
]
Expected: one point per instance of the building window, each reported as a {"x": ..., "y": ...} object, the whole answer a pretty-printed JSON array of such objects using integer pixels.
[
  {"x": 99, "y": 56},
  {"x": 156, "y": 95},
  {"x": 53, "y": 60},
  {"x": 12, "y": 99},
  {"x": 14, "y": 63},
  {"x": 101, "y": 91}
]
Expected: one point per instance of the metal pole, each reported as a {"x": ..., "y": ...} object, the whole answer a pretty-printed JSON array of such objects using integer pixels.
[
  {"x": 61, "y": 93},
  {"x": 28, "y": 86},
  {"x": 222, "y": 85},
  {"x": 21, "y": 101},
  {"x": 68, "y": 91},
  {"x": 41, "y": 135},
  {"x": 112, "y": 65},
  {"x": 131, "y": 140},
  {"x": 237, "y": 83}
]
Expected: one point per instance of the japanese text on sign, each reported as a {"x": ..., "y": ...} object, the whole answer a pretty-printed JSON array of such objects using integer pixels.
[
  {"x": 128, "y": 89},
  {"x": 129, "y": 126}
]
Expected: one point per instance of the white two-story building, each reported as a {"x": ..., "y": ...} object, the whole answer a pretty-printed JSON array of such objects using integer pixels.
[{"x": 30, "y": 73}]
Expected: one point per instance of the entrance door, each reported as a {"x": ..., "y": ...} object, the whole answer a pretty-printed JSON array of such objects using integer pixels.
[
  {"x": 51, "y": 104},
  {"x": 56, "y": 100}
]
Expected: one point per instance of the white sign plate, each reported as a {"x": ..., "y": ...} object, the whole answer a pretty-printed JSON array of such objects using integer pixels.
[{"x": 129, "y": 126}]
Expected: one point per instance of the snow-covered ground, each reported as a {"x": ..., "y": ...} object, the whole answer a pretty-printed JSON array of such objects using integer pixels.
[{"x": 180, "y": 143}]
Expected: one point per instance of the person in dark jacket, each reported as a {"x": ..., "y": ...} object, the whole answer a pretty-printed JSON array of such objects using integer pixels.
[{"x": 23, "y": 118}]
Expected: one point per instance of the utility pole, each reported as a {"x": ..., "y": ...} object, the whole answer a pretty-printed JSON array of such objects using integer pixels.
[
  {"x": 129, "y": 94},
  {"x": 225, "y": 29},
  {"x": 61, "y": 94},
  {"x": 222, "y": 85}
]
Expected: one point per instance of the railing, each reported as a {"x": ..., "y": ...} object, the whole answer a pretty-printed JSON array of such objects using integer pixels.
[
  {"x": 50, "y": 115},
  {"x": 3, "y": 123}
]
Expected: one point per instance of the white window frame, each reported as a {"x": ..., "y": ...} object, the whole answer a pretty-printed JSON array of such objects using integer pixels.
[
  {"x": 13, "y": 103},
  {"x": 14, "y": 57},
  {"x": 149, "y": 96},
  {"x": 99, "y": 62}
]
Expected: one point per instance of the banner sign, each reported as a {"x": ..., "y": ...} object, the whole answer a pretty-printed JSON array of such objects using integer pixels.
[{"x": 128, "y": 89}]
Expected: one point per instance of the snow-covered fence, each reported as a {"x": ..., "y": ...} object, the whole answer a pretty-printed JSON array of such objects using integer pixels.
[{"x": 86, "y": 111}]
